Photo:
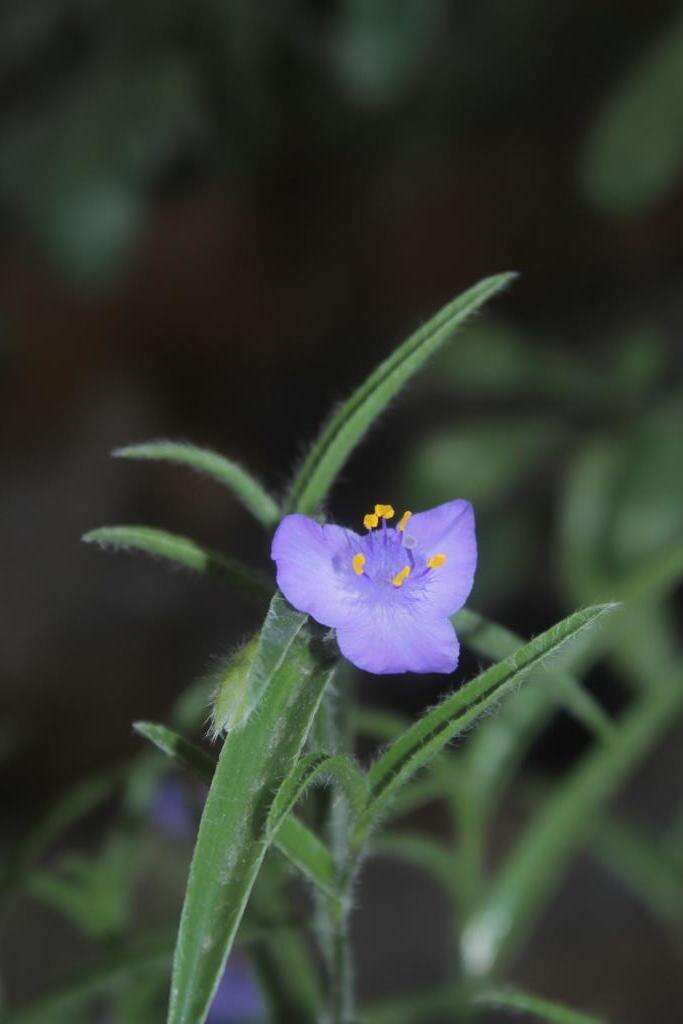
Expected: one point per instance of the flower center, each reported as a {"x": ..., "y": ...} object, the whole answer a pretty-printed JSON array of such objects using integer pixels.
[{"x": 390, "y": 556}]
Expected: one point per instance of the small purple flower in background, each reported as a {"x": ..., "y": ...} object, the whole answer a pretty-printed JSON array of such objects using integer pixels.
[
  {"x": 388, "y": 594},
  {"x": 169, "y": 810},
  {"x": 237, "y": 997}
]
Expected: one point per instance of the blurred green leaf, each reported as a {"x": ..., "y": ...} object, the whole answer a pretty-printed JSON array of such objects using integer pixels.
[
  {"x": 182, "y": 551},
  {"x": 561, "y": 827},
  {"x": 232, "y": 842},
  {"x": 379, "y": 46},
  {"x": 210, "y": 463},
  {"x": 142, "y": 956},
  {"x": 522, "y": 1002},
  {"x": 430, "y": 734},
  {"x": 76, "y": 803},
  {"x": 484, "y": 461},
  {"x": 644, "y": 866},
  {"x": 94, "y": 892},
  {"x": 634, "y": 153},
  {"x": 348, "y": 425},
  {"x": 424, "y": 852}
]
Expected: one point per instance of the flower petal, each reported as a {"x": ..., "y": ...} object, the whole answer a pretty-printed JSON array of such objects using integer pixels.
[
  {"x": 449, "y": 530},
  {"x": 307, "y": 574},
  {"x": 391, "y": 639}
]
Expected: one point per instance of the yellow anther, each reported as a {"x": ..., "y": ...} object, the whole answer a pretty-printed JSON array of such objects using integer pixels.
[
  {"x": 436, "y": 561},
  {"x": 403, "y": 521},
  {"x": 384, "y": 511},
  {"x": 370, "y": 521},
  {"x": 401, "y": 576},
  {"x": 358, "y": 563}
]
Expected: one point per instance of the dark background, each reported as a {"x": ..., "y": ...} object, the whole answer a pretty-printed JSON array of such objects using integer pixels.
[{"x": 216, "y": 219}]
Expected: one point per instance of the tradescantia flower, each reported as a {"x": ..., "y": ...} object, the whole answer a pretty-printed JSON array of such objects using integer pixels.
[{"x": 389, "y": 593}]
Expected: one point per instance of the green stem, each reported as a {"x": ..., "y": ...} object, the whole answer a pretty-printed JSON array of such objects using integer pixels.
[{"x": 333, "y": 912}]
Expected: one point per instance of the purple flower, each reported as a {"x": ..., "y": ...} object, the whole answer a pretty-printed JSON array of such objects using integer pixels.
[
  {"x": 237, "y": 997},
  {"x": 169, "y": 810},
  {"x": 388, "y": 594}
]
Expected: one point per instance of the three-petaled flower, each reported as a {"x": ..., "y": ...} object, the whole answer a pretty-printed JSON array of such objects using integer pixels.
[{"x": 388, "y": 594}]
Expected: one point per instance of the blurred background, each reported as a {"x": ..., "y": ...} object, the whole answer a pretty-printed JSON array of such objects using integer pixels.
[{"x": 216, "y": 217}]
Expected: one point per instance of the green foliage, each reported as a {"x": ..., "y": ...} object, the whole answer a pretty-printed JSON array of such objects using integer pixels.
[
  {"x": 180, "y": 551},
  {"x": 559, "y": 829},
  {"x": 635, "y": 152},
  {"x": 232, "y": 839},
  {"x": 218, "y": 467},
  {"x": 349, "y": 424},
  {"x": 430, "y": 734},
  {"x": 523, "y": 1003},
  {"x": 317, "y": 767}
]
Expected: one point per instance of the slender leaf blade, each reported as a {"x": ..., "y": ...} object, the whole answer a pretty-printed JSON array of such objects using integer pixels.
[
  {"x": 226, "y": 472},
  {"x": 560, "y": 827},
  {"x": 181, "y": 551},
  {"x": 524, "y": 1002},
  {"x": 429, "y": 735},
  {"x": 232, "y": 839},
  {"x": 294, "y": 839},
  {"x": 315, "y": 766},
  {"x": 347, "y": 426}
]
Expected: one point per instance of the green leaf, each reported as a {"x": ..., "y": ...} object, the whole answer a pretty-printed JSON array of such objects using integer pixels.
[
  {"x": 313, "y": 767},
  {"x": 429, "y": 735},
  {"x": 249, "y": 491},
  {"x": 635, "y": 150},
  {"x": 522, "y": 1002},
  {"x": 560, "y": 827},
  {"x": 141, "y": 957},
  {"x": 73, "y": 806},
  {"x": 178, "y": 748},
  {"x": 646, "y": 869},
  {"x": 348, "y": 425},
  {"x": 496, "y": 642},
  {"x": 232, "y": 839},
  {"x": 182, "y": 551},
  {"x": 425, "y": 852},
  {"x": 308, "y": 853},
  {"x": 92, "y": 891}
]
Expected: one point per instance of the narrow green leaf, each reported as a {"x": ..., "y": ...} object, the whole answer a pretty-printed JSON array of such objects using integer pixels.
[
  {"x": 310, "y": 768},
  {"x": 308, "y": 853},
  {"x": 378, "y": 723},
  {"x": 347, "y": 426},
  {"x": 560, "y": 827},
  {"x": 74, "y": 805},
  {"x": 228, "y": 473},
  {"x": 635, "y": 150},
  {"x": 232, "y": 839},
  {"x": 301, "y": 846},
  {"x": 178, "y": 748},
  {"x": 425, "y": 852},
  {"x": 182, "y": 551},
  {"x": 143, "y": 956},
  {"x": 522, "y": 1002},
  {"x": 645, "y": 868},
  {"x": 429, "y": 735},
  {"x": 496, "y": 642}
]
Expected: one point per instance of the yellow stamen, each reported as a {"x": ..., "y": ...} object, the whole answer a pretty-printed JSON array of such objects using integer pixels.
[
  {"x": 384, "y": 511},
  {"x": 401, "y": 576},
  {"x": 358, "y": 563},
  {"x": 436, "y": 561},
  {"x": 403, "y": 521},
  {"x": 370, "y": 521}
]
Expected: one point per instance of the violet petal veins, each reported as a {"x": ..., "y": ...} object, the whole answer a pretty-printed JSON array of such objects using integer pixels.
[{"x": 389, "y": 593}]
